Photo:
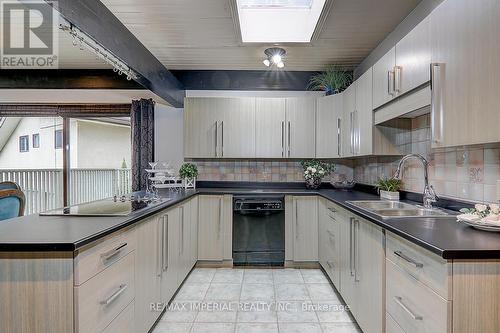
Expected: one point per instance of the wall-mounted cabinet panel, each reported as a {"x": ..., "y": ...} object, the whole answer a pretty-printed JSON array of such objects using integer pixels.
[
  {"x": 270, "y": 127},
  {"x": 300, "y": 127},
  {"x": 201, "y": 116},
  {"x": 363, "y": 116},
  {"x": 236, "y": 127},
  {"x": 347, "y": 129},
  {"x": 329, "y": 118},
  {"x": 383, "y": 79}
]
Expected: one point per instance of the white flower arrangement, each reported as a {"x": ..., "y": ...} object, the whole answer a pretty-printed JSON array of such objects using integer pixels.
[{"x": 482, "y": 210}]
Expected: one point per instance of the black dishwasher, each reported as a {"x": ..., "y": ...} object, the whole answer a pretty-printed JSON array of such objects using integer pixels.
[{"x": 258, "y": 230}]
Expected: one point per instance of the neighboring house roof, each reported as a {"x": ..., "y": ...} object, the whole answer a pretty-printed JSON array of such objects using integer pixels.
[{"x": 7, "y": 127}]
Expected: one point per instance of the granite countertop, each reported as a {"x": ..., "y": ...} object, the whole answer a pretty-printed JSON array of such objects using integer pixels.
[{"x": 443, "y": 236}]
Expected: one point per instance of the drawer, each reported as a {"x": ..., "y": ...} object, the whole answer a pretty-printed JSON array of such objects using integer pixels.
[
  {"x": 124, "y": 323},
  {"x": 415, "y": 307},
  {"x": 99, "y": 300},
  {"x": 391, "y": 326},
  {"x": 96, "y": 257},
  {"x": 423, "y": 265}
]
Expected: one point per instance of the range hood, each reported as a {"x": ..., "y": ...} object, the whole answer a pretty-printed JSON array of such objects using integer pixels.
[{"x": 411, "y": 105}]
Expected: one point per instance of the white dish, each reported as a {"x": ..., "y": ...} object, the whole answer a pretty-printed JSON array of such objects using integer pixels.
[
  {"x": 482, "y": 226},
  {"x": 478, "y": 223}
]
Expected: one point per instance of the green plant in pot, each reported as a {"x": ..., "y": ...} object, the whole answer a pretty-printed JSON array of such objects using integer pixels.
[
  {"x": 188, "y": 172},
  {"x": 333, "y": 80},
  {"x": 388, "y": 188},
  {"x": 315, "y": 171}
]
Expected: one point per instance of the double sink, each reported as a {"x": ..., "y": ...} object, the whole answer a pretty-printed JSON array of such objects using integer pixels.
[{"x": 396, "y": 209}]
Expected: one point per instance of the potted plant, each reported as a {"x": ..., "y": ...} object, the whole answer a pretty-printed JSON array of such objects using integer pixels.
[
  {"x": 188, "y": 173},
  {"x": 314, "y": 171},
  {"x": 389, "y": 188},
  {"x": 333, "y": 80}
]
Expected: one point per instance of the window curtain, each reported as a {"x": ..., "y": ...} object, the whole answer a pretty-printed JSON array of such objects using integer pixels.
[{"x": 142, "y": 126}]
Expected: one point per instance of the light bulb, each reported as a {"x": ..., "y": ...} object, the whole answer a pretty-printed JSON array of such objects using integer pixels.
[
  {"x": 276, "y": 59},
  {"x": 129, "y": 77},
  {"x": 266, "y": 62},
  {"x": 280, "y": 64}
]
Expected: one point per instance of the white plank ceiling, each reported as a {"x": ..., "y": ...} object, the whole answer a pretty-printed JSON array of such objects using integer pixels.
[{"x": 200, "y": 34}]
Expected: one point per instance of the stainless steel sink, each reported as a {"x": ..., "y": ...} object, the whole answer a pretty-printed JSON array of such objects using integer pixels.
[{"x": 396, "y": 209}]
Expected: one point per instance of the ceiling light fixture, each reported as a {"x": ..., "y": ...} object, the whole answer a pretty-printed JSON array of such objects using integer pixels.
[
  {"x": 79, "y": 37},
  {"x": 274, "y": 57}
]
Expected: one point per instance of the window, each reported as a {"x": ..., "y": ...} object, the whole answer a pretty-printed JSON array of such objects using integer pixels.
[
  {"x": 24, "y": 143},
  {"x": 58, "y": 139},
  {"x": 36, "y": 140}
]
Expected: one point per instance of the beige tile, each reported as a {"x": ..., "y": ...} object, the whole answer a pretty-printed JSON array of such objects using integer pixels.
[
  {"x": 212, "y": 328},
  {"x": 297, "y": 312},
  {"x": 223, "y": 292},
  {"x": 257, "y": 292},
  {"x": 228, "y": 275},
  {"x": 260, "y": 316},
  {"x": 313, "y": 276},
  {"x": 300, "y": 328},
  {"x": 192, "y": 292},
  {"x": 291, "y": 292},
  {"x": 256, "y": 328},
  {"x": 164, "y": 327},
  {"x": 340, "y": 328},
  {"x": 322, "y": 292}
]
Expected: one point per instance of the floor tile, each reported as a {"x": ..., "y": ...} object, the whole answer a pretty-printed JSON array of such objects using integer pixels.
[
  {"x": 223, "y": 292},
  {"x": 322, "y": 292},
  {"x": 257, "y": 317},
  {"x": 256, "y": 328},
  {"x": 296, "y": 312},
  {"x": 313, "y": 276},
  {"x": 163, "y": 327},
  {"x": 201, "y": 275},
  {"x": 332, "y": 312},
  {"x": 287, "y": 276},
  {"x": 291, "y": 292},
  {"x": 192, "y": 292},
  {"x": 257, "y": 292},
  {"x": 340, "y": 328},
  {"x": 179, "y": 316},
  {"x": 258, "y": 276},
  {"x": 217, "y": 316},
  {"x": 212, "y": 328},
  {"x": 228, "y": 275},
  {"x": 299, "y": 328}
]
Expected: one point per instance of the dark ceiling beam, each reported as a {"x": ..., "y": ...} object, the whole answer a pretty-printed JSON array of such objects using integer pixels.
[
  {"x": 65, "y": 79},
  {"x": 97, "y": 21},
  {"x": 244, "y": 80}
]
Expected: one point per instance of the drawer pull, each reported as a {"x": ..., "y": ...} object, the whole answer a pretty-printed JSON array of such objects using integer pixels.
[
  {"x": 111, "y": 253},
  {"x": 399, "y": 301},
  {"x": 115, "y": 295},
  {"x": 333, "y": 210},
  {"x": 408, "y": 259}
]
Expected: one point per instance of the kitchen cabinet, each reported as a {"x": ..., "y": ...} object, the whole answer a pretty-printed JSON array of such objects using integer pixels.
[
  {"x": 300, "y": 127},
  {"x": 329, "y": 118},
  {"x": 215, "y": 228},
  {"x": 363, "y": 116},
  {"x": 329, "y": 239},
  {"x": 170, "y": 259},
  {"x": 304, "y": 227},
  {"x": 466, "y": 73},
  {"x": 194, "y": 211},
  {"x": 219, "y": 127},
  {"x": 413, "y": 58},
  {"x": 347, "y": 125},
  {"x": 270, "y": 127},
  {"x": 185, "y": 240},
  {"x": 383, "y": 79},
  {"x": 148, "y": 273}
]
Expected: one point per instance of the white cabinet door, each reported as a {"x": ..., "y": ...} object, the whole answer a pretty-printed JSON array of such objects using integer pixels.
[
  {"x": 363, "y": 125},
  {"x": 300, "y": 127},
  {"x": 185, "y": 240},
  {"x": 305, "y": 228},
  {"x": 329, "y": 126},
  {"x": 194, "y": 231},
  {"x": 347, "y": 284},
  {"x": 270, "y": 127},
  {"x": 413, "y": 59},
  {"x": 170, "y": 253},
  {"x": 210, "y": 228},
  {"x": 383, "y": 79},
  {"x": 329, "y": 240},
  {"x": 349, "y": 106},
  {"x": 148, "y": 273},
  {"x": 201, "y": 125},
  {"x": 464, "y": 42},
  {"x": 237, "y": 127}
]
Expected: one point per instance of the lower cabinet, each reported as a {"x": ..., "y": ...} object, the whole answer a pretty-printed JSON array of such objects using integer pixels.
[
  {"x": 329, "y": 240},
  {"x": 301, "y": 228},
  {"x": 215, "y": 228}
]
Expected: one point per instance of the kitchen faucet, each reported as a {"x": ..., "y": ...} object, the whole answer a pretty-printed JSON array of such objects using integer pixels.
[{"x": 429, "y": 193}]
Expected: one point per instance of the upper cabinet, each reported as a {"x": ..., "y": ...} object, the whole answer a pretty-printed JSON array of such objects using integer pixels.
[
  {"x": 413, "y": 58},
  {"x": 363, "y": 115},
  {"x": 347, "y": 125},
  {"x": 466, "y": 72},
  {"x": 201, "y": 124},
  {"x": 270, "y": 127},
  {"x": 329, "y": 118},
  {"x": 300, "y": 127},
  {"x": 383, "y": 79}
]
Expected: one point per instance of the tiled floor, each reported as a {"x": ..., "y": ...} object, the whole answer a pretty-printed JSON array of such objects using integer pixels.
[{"x": 256, "y": 301}]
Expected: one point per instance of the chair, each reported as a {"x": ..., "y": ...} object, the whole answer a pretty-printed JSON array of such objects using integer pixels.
[
  {"x": 9, "y": 186},
  {"x": 11, "y": 203}
]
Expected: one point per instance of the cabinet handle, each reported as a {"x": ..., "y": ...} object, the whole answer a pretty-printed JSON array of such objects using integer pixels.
[
  {"x": 114, "y": 295},
  {"x": 390, "y": 82},
  {"x": 355, "y": 131},
  {"x": 351, "y": 232},
  {"x": 399, "y": 301},
  {"x": 339, "y": 137},
  {"x": 397, "y": 78},
  {"x": 408, "y": 259},
  {"x": 282, "y": 139},
  {"x": 222, "y": 139},
  {"x": 333, "y": 210},
  {"x": 351, "y": 129},
  {"x": 356, "y": 250},
  {"x": 111, "y": 253},
  {"x": 160, "y": 249},
  {"x": 436, "y": 103},
  {"x": 296, "y": 220},
  {"x": 289, "y": 138},
  {"x": 216, "y": 139},
  {"x": 181, "y": 250},
  {"x": 220, "y": 217},
  {"x": 165, "y": 243}
]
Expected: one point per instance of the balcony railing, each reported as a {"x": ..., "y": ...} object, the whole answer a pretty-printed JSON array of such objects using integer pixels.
[{"x": 43, "y": 188}]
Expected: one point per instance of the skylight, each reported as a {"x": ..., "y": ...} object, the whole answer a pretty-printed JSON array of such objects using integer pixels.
[{"x": 278, "y": 21}]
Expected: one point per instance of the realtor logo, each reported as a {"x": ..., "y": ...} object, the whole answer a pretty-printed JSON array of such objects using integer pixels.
[{"x": 29, "y": 35}]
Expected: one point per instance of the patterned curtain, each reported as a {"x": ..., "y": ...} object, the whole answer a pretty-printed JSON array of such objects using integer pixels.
[{"x": 142, "y": 123}]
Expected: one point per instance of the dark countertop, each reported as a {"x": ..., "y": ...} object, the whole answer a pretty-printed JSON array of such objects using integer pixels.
[{"x": 444, "y": 236}]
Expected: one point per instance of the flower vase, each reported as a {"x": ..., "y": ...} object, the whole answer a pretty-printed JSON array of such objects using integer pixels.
[
  {"x": 313, "y": 183},
  {"x": 189, "y": 183}
]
